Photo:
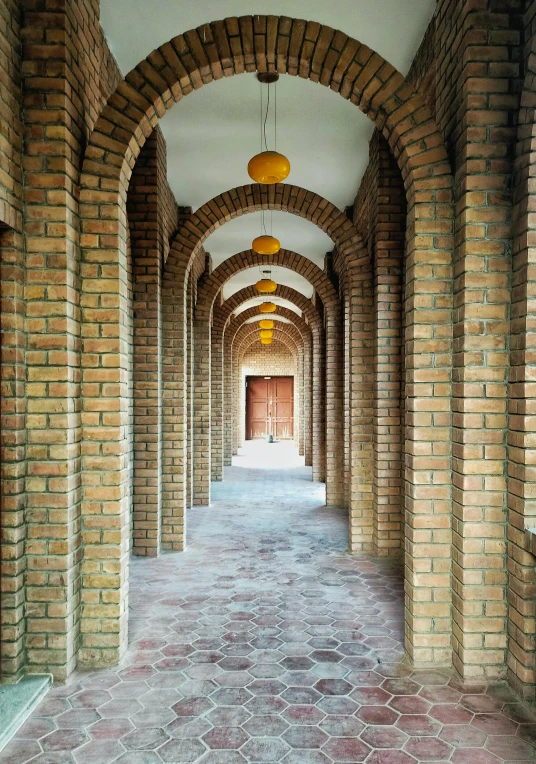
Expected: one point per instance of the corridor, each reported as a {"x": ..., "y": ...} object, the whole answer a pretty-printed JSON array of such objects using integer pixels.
[{"x": 266, "y": 642}]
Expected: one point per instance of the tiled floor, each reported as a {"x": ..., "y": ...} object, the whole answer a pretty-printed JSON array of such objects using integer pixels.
[{"x": 265, "y": 642}]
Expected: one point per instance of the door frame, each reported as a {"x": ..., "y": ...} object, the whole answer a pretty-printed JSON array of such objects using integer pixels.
[{"x": 247, "y": 413}]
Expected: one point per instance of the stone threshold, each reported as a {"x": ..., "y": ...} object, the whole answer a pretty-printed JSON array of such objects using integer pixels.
[{"x": 17, "y": 701}]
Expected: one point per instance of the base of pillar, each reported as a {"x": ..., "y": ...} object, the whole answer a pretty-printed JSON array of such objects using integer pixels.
[
  {"x": 89, "y": 658},
  {"x": 526, "y": 692}
]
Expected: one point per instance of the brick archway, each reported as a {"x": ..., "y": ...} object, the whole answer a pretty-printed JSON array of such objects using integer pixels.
[
  {"x": 302, "y": 333},
  {"x": 242, "y": 261},
  {"x": 222, "y": 336},
  {"x": 329, "y": 471},
  {"x": 333, "y": 364},
  {"x": 259, "y": 43}
]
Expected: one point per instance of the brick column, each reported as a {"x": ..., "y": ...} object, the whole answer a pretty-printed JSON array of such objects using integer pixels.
[
  {"x": 307, "y": 401},
  {"x": 359, "y": 281},
  {"x": 201, "y": 401},
  {"x": 319, "y": 407},
  {"x": 298, "y": 406},
  {"x": 13, "y": 349},
  {"x": 13, "y": 467},
  {"x": 147, "y": 251},
  {"x": 228, "y": 412},
  {"x": 347, "y": 399},
  {"x": 216, "y": 420},
  {"x": 53, "y": 511},
  {"x": 521, "y": 659},
  {"x": 484, "y": 143},
  {"x": 388, "y": 221},
  {"x": 334, "y": 406}
]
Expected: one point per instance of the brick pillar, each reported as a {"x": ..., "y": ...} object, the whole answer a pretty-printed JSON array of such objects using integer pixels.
[
  {"x": 347, "y": 400},
  {"x": 228, "y": 412},
  {"x": 521, "y": 659},
  {"x": 216, "y": 420},
  {"x": 147, "y": 250},
  {"x": 53, "y": 359},
  {"x": 13, "y": 443},
  {"x": 388, "y": 221},
  {"x": 298, "y": 404},
  {"x": 189, "y": 364},
  {"x": 201, "y": 399},
  {"x": 174, "y": 415},
  {"x": 319, "y": 408},
  {"x": 334, "y": 406},
  {"x": 359, "y": 282},
  {"x": 307, "y": 401},
  {"x": 13, "y": 350},
  {"x": 481, "y": 327}
]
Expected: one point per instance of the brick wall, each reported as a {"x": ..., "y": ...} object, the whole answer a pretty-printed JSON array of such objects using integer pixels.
[{"x": 420, "y": 362}]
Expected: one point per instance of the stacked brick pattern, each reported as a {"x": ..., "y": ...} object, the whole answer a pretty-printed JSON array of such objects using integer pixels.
[{"x": 123, "y": 367}]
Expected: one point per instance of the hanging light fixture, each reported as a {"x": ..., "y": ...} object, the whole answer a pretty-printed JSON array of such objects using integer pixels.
[
  {"x": 267, "y": 307},
  {"x": 266, "y": 245},
  {"x": 266, "y": 341},
  {"x": 266, "y": 285},
  {"x": 268, "y": 167},
  {"x": 266, "y": 334},
  {"x": 266, "y": 323}
]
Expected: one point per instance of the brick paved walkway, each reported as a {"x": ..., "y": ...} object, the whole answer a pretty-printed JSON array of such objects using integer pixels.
[{"x": 265, "y": 642}]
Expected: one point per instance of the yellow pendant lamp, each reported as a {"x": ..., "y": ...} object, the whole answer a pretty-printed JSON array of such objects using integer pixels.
[
  {"x": 266, "y": 334},
  {"x": 266, "y": 341},
  {"x": 265, "y": 286},
  {"x": 268, "y": 167},
  {"x": 266, "y": 323},
  {"x": 267, "y": 307},
  {"x": 266, "y": 245}
]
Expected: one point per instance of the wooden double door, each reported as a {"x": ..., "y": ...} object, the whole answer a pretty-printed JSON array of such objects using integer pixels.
[{"x": 270, "y": 407}]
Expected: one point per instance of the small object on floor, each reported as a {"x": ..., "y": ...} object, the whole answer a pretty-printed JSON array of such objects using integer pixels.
[{"x": 269, "y": 438}]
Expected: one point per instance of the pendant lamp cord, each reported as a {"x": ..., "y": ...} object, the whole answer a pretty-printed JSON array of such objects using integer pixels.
[
  {"x": 266, "y": 118},
  {"x": 275, "y": 116}
]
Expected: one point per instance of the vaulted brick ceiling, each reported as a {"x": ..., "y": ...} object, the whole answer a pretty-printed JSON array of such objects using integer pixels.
[{"x": 212, "y": 134}]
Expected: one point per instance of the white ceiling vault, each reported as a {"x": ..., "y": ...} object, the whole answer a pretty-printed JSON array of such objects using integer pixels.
[{"x": 212, "y": 134}]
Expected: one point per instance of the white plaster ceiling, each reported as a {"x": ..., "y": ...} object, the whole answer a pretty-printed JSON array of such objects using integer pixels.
[
  {"x": 295, "y": 234},
  {"x": 258, "y": 300},
  {"x": 213, "y": 132},
  {"x": 274, "y": 316},
  {"x": 279, "y": 274}
]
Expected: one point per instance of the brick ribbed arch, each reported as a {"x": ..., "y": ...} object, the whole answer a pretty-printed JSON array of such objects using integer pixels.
[
  {"x": 242, "y": 200},
  {"x": 247, "y": 334},
  {"x": 248, "y": 259},
  {"x": 223, "y": 334},
  {"x": 215, "y": 50},
  {"x": 301, "y": 332},
  {"x": 222, "y": 324},
  {"x": 222, "y": 314},
  {"x": 203, "y": 429},
  {"x": 246, "y": 340}
]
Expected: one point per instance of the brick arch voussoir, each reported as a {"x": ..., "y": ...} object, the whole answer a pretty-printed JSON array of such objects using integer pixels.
[
  {"x": 249, "y": 259},
  {"x": 223, "y": 314},
  {"x": 251, "y": 198},
  {"x": 297, "y": 321},
  {"x": 279, "y": 336},
  {"x": 259, "y": 43},
  {"x": 289, "y": 329}
]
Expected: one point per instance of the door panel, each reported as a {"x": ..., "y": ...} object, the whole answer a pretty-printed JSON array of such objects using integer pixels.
[{"x": 270, "y": 407}]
